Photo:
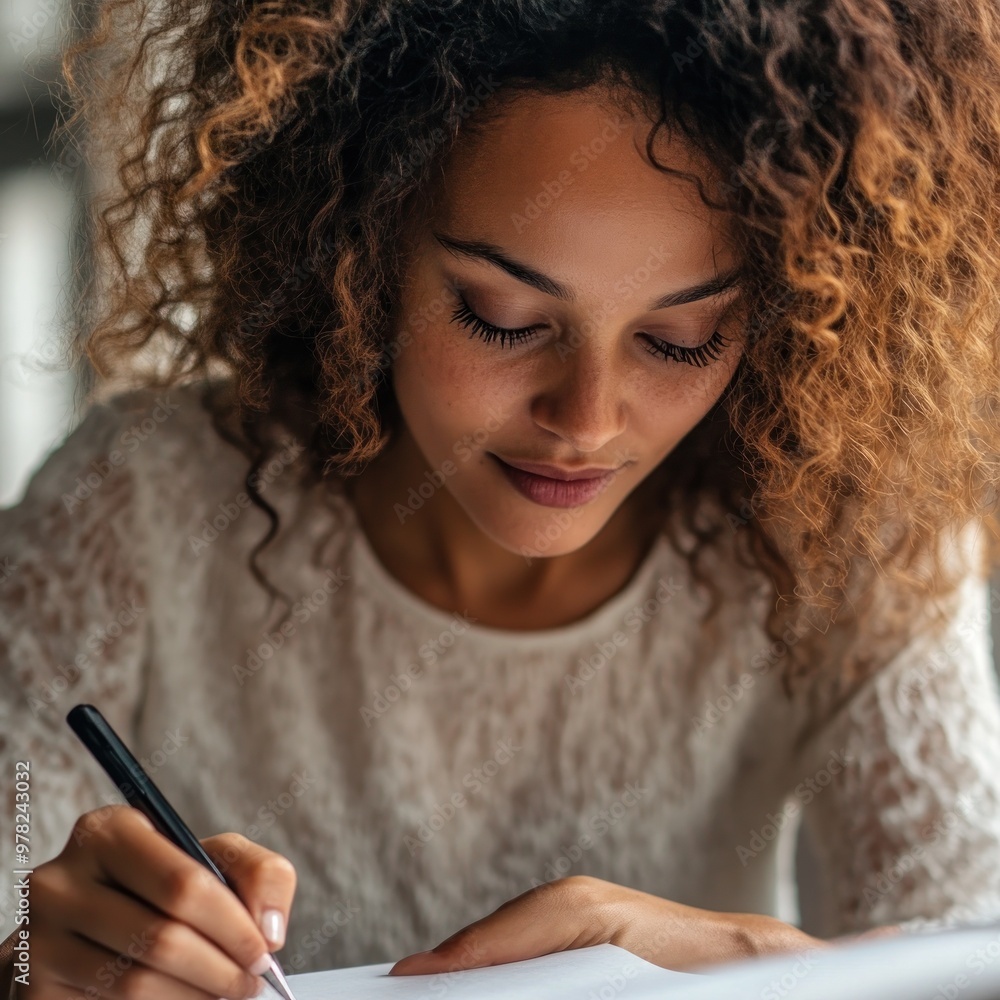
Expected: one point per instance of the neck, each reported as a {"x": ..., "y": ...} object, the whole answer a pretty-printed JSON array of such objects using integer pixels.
[{"x": 439, "y": 553}]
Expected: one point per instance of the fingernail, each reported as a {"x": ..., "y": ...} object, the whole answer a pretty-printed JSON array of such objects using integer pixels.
[
  {"x": 261, "y": 965},
  {"x": 407, "y": 960},
  {"x": 272, "y": 923}
]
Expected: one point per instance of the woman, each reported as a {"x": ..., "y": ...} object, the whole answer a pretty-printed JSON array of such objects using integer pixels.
[{"x": 571, "y": 463}]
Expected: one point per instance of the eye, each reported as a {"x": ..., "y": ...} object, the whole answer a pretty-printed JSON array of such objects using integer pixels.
[
  {"x": 700, "y": 356},
  {"x": 487, "y": 331}
]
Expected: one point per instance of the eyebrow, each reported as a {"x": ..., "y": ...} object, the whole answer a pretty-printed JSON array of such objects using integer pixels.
[{"x": 492, "y": 254}]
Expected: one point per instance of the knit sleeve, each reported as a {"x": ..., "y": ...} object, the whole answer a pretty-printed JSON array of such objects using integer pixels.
[
  {"x": 901, "y": 788},
  {"x": 73, "y": 628}
]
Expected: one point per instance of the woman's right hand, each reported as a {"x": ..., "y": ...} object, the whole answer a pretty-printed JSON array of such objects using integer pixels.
[{"x": 123, "y": 912}]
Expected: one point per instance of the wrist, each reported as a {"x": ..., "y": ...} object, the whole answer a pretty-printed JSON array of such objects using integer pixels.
[{"x": 752, "y": 935}]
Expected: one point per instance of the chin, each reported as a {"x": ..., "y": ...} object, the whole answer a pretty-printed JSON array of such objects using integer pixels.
[{"x": 546, "y": 531}]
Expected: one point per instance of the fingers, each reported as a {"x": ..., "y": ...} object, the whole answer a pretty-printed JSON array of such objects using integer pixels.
[
  {"x": 100, "y": 972},
  {"x": 134, "y": 935},
  {"x": 263, "y": 879},
  {"x": 551, "y": 917},
  {"x": 890, "y": 930},
  {"x": 159, "y": 872}
]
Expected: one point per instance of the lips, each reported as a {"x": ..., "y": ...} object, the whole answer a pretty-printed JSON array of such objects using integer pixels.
[
  {"x": 568, "y": 489},
  {"x": 555, "y": 472}
]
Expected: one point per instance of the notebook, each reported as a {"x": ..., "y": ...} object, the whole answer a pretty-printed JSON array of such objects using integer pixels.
[{"x": 962, "y": 964}]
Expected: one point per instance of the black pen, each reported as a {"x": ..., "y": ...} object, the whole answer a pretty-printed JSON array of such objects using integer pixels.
[{"x": 138, "y": 788}]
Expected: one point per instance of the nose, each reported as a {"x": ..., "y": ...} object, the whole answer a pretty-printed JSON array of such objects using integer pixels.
[{"x": 583, "y": 399}]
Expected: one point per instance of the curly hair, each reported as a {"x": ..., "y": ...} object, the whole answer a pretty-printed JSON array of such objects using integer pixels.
[{"x": 272, "y": 160}]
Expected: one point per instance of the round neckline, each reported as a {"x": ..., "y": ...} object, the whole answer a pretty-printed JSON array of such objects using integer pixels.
[{"x": 600, "y": 621}]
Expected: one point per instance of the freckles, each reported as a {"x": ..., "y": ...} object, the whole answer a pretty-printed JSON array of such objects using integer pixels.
[
  {"x": 446, "y": 375},
  {"x": 703, "y": 389},
  {"x": 714, "y": 378},
  {"x": 434, "y": 357},
  {"x": 674, "y": 405},
  {"x": 477, "y": 369}
]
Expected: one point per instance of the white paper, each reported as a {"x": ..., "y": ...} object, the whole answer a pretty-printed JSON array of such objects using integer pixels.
[
  {"x": 597, "y": 973},
  {"x": 962, "y": 964},
  {"x": 948, "y": 965}
]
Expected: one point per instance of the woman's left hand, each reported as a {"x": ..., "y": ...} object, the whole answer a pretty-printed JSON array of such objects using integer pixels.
[{"x": 578, "y": 911}]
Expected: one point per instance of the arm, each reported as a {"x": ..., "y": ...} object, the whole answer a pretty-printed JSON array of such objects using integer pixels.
[
  {"x": 922, "y": 746},
  {"x": 73, "y": 625},
  {"x": 908, "y": 833}
]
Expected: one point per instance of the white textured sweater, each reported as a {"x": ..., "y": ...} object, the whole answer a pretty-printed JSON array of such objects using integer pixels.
[{"x": 418, "y": 768}]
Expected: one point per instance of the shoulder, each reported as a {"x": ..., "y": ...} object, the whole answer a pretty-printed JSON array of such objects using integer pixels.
[
  {"x": 139, "y": 462},
  {"x": 183, "y": 447},
  {"x": 172, "y": 430},
  {"x": 924, "y": 657},
  {"x": 133, "y": 434}
]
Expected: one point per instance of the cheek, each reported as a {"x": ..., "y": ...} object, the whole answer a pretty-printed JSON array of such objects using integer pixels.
[
  {"x": 448, "y": 384},
  {"x": 670, "y": 408},
  {"x": 681, "y": 396}
]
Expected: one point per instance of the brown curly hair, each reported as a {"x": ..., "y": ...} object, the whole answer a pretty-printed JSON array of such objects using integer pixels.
[{"x": 272, "y": 160}]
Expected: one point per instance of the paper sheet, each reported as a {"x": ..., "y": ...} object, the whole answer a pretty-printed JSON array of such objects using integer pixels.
[
  {"x": 594, "y": 973},
  {"x": 959, "y": 964},
  {"x": 948, "y": 965}
]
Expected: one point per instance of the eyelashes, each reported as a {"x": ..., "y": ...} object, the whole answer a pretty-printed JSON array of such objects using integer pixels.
[
  {"x": 698, "y": 356},
  {"x": 464, "y": 316}
]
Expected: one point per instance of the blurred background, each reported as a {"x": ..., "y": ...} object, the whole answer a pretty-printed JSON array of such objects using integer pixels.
[
  {"x": 41, "y": 228},
  {"x": 43, "y": 241}
]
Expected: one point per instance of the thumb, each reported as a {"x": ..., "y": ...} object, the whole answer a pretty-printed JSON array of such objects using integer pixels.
[{"x": 264, "y": 880}]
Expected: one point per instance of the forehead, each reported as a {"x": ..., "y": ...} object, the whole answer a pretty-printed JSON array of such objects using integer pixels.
[{"x": 565, "y": 179}]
